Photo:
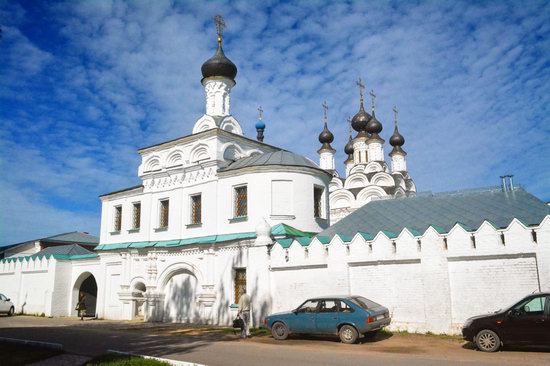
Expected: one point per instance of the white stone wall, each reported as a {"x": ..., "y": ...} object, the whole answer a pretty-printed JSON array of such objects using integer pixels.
[
  {"x": 431, "y": 286},
  {"x": 432, "y": 282}
]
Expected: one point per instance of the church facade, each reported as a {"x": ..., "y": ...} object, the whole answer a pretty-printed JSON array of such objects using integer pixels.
[{"x": 218, "y": 214}]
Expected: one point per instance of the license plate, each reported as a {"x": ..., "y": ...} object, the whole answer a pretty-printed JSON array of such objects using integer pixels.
[{"x": 380, "y": 317}]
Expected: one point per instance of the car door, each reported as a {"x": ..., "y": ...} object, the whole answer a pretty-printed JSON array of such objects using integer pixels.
[
  {"x": 303, "y": 318},
  {"x": 526, "y": 321},
  {"x": 546, "y": 323},
  {"x": 3, "y": 304},
  {"x": 327, "y": 317}
]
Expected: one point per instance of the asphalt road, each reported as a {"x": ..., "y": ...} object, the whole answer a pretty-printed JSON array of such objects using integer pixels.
[{"x": 190, "y": 344}]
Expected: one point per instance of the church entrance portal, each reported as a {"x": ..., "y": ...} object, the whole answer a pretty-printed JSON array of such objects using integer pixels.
[
  {"x": 87, "y": 285},
  {"x": 180, "y": 298}
]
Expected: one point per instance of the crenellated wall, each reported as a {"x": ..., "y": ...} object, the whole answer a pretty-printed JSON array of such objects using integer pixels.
[{"x": 430, "y": 281}]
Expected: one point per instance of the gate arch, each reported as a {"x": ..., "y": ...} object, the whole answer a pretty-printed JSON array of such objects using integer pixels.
[{"x": 85, "y": 284}]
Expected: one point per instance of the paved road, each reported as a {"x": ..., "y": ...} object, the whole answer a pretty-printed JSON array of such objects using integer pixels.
[{"x": 213, "y": 348}]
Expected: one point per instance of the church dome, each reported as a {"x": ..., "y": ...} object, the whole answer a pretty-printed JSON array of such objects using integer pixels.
[
  {"x": 348, "y": 149},
  {"x": 374, "y": 126},
  {"x": 219, "y": 65},
  {"x": 260, "y": 125},
  {"x": 360, "y": 120},
  {"x": 397, "y": 139},
  {"x": 326, "y": 137}
]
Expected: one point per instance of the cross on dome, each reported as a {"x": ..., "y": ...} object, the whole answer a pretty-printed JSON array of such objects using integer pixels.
[
  {"x": 395, "y": 115},
  {"x": 261, "y": 113},
  {"x": 361, "y": 87},
  {"x": 372, "y": 97},
  {"x": 220, "y": 26},
  {"x": 325, "y": 107}
]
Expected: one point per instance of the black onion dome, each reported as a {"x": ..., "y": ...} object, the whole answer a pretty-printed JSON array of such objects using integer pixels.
[
  {"x": 360, "y": 120},
  {"x": 374, "y": 126},
  {"x": 397, "y": 139},
  {"x": 219, "y": 66},
  {"x": 348, "y": 149},
  {"x": 326, "y": 137}
]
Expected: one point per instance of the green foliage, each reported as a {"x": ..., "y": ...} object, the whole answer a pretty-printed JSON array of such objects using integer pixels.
[{"x": 124, "y": 360}]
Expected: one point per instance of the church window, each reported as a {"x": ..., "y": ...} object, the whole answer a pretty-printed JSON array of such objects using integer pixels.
[
  {"x": 317, "y": 201},
  {"x": 136, "y": 216},
  {"x": 118, "y": 219},
  {"x": 241, "y": 201},
  {"x": 196, "y": 209},
  {"x": 164, "y": 211},
  {"x": 240, "y": 283}
]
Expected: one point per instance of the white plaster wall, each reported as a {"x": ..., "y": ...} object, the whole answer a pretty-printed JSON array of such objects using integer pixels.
[{"x": 427, "y": 287}]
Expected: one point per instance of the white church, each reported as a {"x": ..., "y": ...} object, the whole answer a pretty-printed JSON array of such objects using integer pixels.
[{"x": 219, "y": 213}]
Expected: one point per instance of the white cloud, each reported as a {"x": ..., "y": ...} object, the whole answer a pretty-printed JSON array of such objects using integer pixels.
[{"x": 471, "y": 82}]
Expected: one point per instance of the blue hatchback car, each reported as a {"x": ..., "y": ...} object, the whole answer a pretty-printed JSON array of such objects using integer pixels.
[{"x": 345, "y": 316}]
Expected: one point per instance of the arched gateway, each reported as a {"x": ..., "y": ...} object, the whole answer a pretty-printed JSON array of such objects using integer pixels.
[{"x": 85, "y": 284}]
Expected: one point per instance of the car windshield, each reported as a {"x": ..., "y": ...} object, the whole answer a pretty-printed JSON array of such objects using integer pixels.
[{"x": 364, "y": 303}]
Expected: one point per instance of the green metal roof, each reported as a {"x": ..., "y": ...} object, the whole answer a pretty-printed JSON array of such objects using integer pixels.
[
  {"x": 178, "y": 242},
  {"x": 287, "y": 230},
  {"x": 469, "y": 209}
]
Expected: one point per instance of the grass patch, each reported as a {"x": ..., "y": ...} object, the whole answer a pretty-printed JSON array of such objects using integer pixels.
[
  {"x": 16, "y": 354},
  {"x": 124, "y": 360}
]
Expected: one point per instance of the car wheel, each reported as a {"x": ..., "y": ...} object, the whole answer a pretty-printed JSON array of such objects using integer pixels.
[
  {"x": 371, "y": 335},
  {"x": 348, "y": 334},
  {"x": 487, "y": 341},
  {"x": 12, "y": 310},
  {"x": 279, "y": 331}
]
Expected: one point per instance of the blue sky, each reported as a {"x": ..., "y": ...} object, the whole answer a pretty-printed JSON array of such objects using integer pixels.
[{"x": 84, "y": 84}]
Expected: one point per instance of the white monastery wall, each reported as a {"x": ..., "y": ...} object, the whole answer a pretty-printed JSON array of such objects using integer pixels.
[
  {"x": 426, "y": 284},
  {"x": 431, "y": 282}
]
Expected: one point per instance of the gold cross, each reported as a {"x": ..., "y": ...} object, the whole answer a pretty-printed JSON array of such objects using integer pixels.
[
  {"x": 372, "y": 96},
  {"x": 361, "y": 87},
  {"x": 261, "y": 111},
  {"x": 220, "y": 26},
  {"x": 349, "y": 126},
  {"x": 325, "y": 107},
  {"x": 395, "y": 115}
]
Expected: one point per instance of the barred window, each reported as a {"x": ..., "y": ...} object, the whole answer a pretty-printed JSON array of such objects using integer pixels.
[
  {"x": 241, "y": 201},
  {"x": 118, "y": 218},
  {"x": 317, "y": 201},
  {"x": 164, "y": 208},
  {"x": 240, "y": 283},
  {"x": 136, "y": 217},
  {"x": 196, "y": 207}
]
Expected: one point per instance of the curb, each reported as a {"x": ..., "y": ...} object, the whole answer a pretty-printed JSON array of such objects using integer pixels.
[
  {"x": 26, "y": 342},
  {"x": 167, "y": 360}
]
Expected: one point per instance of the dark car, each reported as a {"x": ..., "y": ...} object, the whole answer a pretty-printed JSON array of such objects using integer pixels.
[
  {"x": 345, "y": 316},
  {"x": 526, "y": 322}
]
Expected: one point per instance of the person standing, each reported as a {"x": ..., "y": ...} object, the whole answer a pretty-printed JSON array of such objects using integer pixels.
[
  {"x": 244, "y": 312},
  {"x": 81, "y": 305}
]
